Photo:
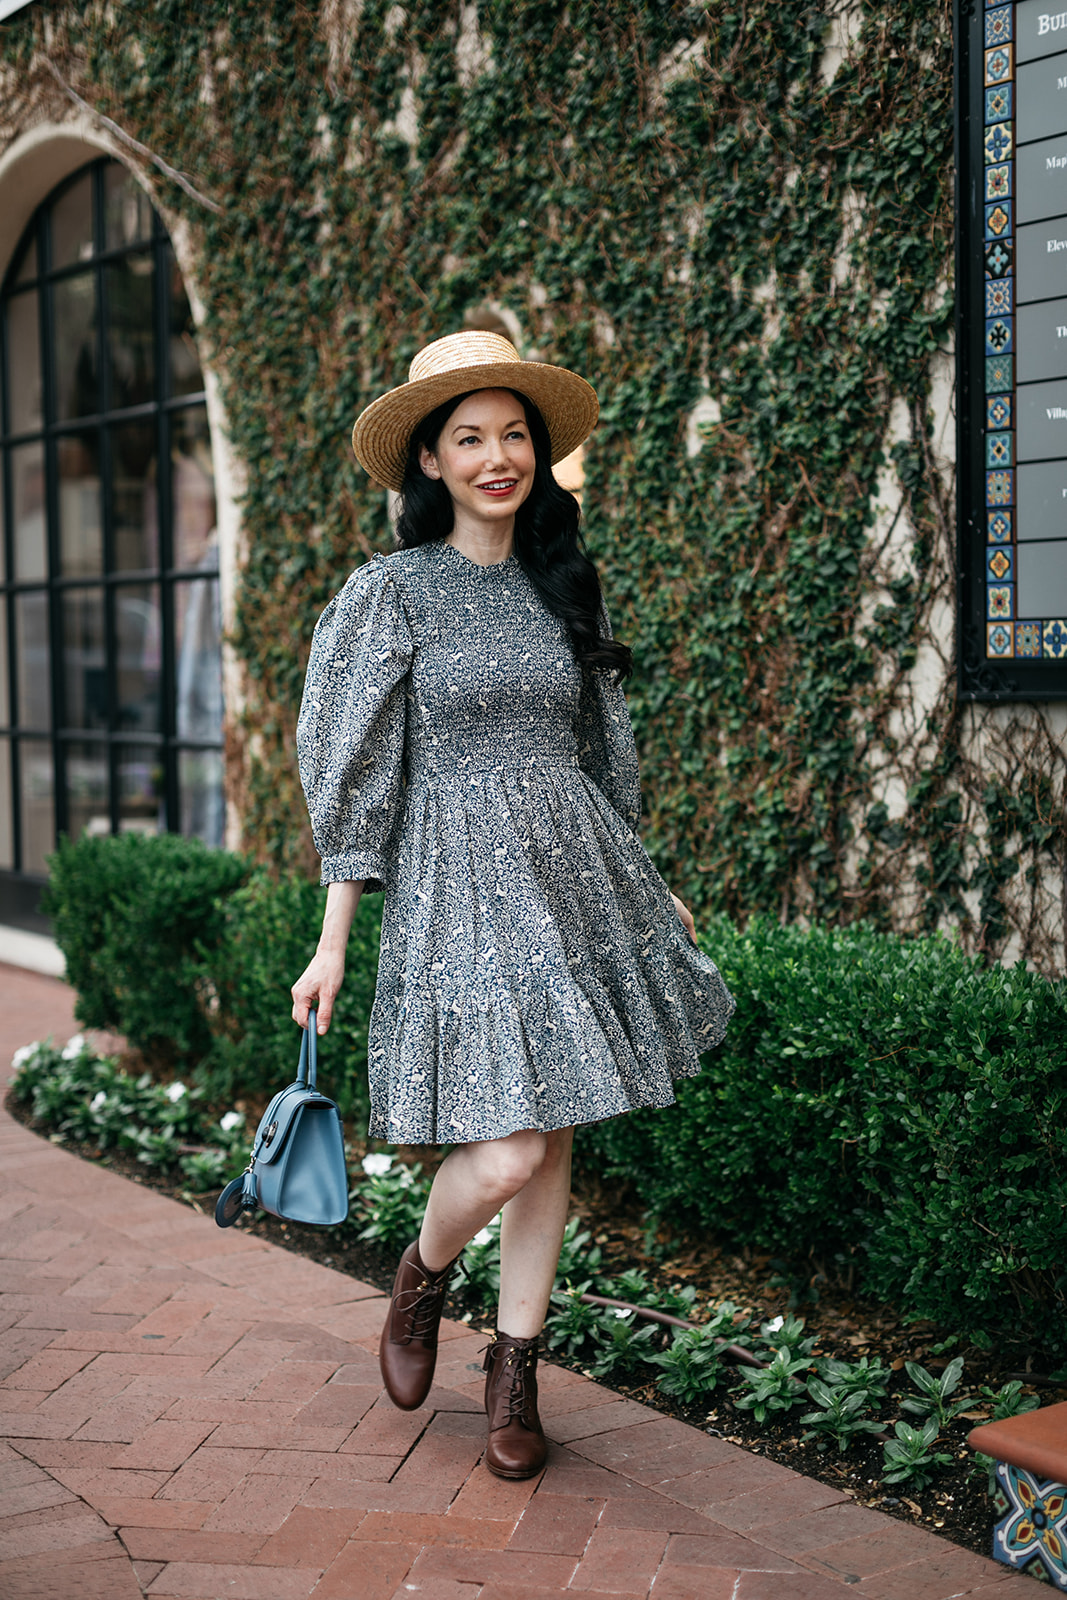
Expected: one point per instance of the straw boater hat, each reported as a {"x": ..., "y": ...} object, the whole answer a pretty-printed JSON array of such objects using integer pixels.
[{"x": 455, "y": 365}]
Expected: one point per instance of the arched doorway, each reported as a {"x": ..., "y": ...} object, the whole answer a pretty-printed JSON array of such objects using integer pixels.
[{"x": 110, "y": 651}]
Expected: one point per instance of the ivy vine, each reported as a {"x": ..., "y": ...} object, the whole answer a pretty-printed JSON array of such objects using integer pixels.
[{"x": 741, "y": 211}]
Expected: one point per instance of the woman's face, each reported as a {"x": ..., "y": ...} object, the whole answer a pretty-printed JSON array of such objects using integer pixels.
[{"x": 484, "y": 456}]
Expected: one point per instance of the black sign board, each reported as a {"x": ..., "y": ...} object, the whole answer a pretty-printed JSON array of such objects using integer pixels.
[{"x": 1011, "y": 150}]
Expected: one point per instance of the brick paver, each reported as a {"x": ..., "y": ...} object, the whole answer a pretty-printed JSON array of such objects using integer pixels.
[{"x": 190, "y": 1413}]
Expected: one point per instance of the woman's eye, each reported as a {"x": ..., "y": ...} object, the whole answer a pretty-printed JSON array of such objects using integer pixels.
[{"x": 472, "y": 438}]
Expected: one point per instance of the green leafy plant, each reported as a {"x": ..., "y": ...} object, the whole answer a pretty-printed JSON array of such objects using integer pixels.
[
  {"x": 575, "y": 1259},
  {"x": 839, "y": 1417},
  {"x": 622, "y": 1345},
  {"x": 933, "y": 1399},
  {"x": 1008, "y": 1400},
  {"x": 911, "y": 1458},
  {"x": 865, "y": 1377},
  {"x": 570, "y": 1327},
  {"x": 390, "y": 1201},
  {"x": 481, "y": 1264},
  {"x": 691, "y": 1368},
  {"x": 777, "y": 1387},
  {"x": 787, "y": 1333}
]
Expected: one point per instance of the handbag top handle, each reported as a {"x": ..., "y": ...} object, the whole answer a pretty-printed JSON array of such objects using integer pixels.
[{"x": 309, "y": 1053}]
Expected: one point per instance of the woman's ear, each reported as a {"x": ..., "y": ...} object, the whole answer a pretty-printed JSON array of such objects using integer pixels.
[{"x": 428, "y": 462}]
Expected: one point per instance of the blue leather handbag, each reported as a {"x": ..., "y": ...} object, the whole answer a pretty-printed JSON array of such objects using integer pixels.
[{"x": 297, "y": 1166}]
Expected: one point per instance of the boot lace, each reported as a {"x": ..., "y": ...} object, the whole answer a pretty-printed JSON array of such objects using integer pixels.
[
  {"x": 519, "y": 1361},
  {"x": 422, "y": 1306}
]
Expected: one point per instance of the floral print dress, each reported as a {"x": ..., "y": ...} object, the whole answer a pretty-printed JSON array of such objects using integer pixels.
[{"x": 534, "y": 972}]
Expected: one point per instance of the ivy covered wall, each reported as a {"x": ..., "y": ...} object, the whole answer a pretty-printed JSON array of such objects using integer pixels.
[{"x": 736, "y": 218}]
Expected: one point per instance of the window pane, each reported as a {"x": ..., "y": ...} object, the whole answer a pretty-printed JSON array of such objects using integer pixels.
[
  {"x": 33, "y": 661},
  {"x": 131, "y": 348},
  {"x": 7, "y": 832},
  {"x": 25, "y": 395},
  {"x": 5, "y": 702},
  {"x": 185, "y": 374},
  {"x": 138, "y": 634},
  {"x": 140, "y": 782},
  {"x": 193, "y": 478},
  {"x": 198, "y": 659},
  {"x": 203, "y": 814},
  {"x": 87, "y": 789},
  {"x": 72, "y": 224},
  {"x": 84, "y": 659},
  {"x": 81, "y": 544},
  {"x": 38, "y": 805},
  {"x": 127, "y": 210},
  {"x": 27, "y": 499},
  {"x": 134, "y": 496},
  {"x": 77, "y": 379},
  {"x": 27, "y": 269}
]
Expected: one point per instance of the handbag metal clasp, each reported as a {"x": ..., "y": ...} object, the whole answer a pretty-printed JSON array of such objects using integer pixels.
[{"x": 269, "y": 1135}]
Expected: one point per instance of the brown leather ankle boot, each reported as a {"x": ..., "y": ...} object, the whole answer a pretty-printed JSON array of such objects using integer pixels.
[
  {"x": 408, "y": 1350},
  {"x": 516, "y": 1447}
]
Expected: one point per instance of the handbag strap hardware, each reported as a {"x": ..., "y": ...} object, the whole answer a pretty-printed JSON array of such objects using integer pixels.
[{"x": 307, "y": 1071}]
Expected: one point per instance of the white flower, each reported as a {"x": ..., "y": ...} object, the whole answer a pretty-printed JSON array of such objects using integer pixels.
[
  {"x": 73, "y": 1047},
  {"x": 775, "y": 1323},
  {"x": 377, "y": 1164},
  {"x": 24, "y": 1053},
  {"x": 175, "y": 1092},
  {"x": 98, "y": 1100},
  {"x": 231, "y": 1120},
  {"x": 617, "y": 1311}
]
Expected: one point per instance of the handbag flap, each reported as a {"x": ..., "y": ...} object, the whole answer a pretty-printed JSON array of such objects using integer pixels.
[{"x": 279, "y": 1118}]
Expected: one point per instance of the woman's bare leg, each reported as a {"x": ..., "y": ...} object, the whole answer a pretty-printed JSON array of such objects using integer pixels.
[
  {"x": 530, "y": 1237},
  {"x": 472, "y": 1184}
]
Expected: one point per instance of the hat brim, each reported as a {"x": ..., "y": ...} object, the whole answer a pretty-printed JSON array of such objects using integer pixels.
[{"x": 383, "y": 431}]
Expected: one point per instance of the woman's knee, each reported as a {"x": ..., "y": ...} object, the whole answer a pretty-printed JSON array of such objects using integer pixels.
[{"x": 509, "y": 1164}]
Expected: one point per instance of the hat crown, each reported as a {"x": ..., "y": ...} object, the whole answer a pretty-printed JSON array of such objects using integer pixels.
[{"x": 457, "y": 351}]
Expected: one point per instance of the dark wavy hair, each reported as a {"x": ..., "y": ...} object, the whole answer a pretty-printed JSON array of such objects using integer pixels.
[{"x": 548, "y": 540}]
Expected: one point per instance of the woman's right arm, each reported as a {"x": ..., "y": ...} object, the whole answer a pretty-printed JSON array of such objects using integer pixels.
[{"x": 320, "y": 982}]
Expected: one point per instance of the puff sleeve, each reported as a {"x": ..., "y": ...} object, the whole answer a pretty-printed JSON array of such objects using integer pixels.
[
  {"x": 350, "y": 733},
  {"x": 606, "y": 750}
]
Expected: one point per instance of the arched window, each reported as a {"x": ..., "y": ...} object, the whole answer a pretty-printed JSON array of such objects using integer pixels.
[{"x": 110, "y": 659}]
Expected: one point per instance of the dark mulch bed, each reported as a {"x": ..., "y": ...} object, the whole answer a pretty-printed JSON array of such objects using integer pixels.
[{"x": 848, "y": 1327}]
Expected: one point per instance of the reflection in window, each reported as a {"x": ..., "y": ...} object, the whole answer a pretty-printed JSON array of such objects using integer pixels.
[
  {"x": 87, "y": 789},
  {"x": 84, "y": 659},
  {"x": 25, "y": 397},
  {"x": 127, "y": 209},
  {"x": 185, "y": 374},
  {"x": 134, "y": 496},
  {"x": 26, "y": 468},
  {"x": 34, "y": 657},
  {"x": 138, "y": 632},
  {"x": 74, "y": 310},
  {"x": 198, "y": 632},
  {"x": 140, "y": 789},
  {"x": 200, "y": 795},
  {"x": 7, "y": 832},
  {"x": 37, "y": 794},
  {"x": 131, "y": 341},
  {"x": 72, "y": 224},
  {"x": 195, "y": 534},
  {"x": 81, "y": 545}
]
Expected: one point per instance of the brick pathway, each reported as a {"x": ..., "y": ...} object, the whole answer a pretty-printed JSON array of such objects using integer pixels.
[{"x": 196, "y": 1414}]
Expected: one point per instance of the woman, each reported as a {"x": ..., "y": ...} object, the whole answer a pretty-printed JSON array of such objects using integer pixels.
[{"x": 464, "y": 743}]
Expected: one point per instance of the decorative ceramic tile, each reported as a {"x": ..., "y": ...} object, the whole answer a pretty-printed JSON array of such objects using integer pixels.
[
  {"x": 998, "y": 411},
  {"x": 998, "y": 25},
  {"x": 1054, "y": 639},
  {"x": 998, "y": 598},
  {"x": 998, "y": 181},
  {"x": 998, "y": 527},
  {"x": 998, "y": 219},
  {"x": 998, "y": 449},
  {"x": 1031, "y": 1531},
  {"x": 998, "y": 142},
  {"x": 998, "y": 64},
  {"x": 997, "y": 639},
  {"x": 999, "y": 373},
  {"x": 1027, "y": 639},
  {"x": 998, "y": 103},
  {"x": 998, "y": 565},
  {"x": 999, "y": 258},
  {"x": 999, "y": 332},
  {"x": 1000, "y": 488},
  {"x": 998, "y": 297}
]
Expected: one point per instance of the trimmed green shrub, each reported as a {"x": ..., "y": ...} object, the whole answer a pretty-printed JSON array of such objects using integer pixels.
[
  {"x": 883, "y": 1104},
  {"x": 133, "y": 916},
  {"x": 267, "y": 935}
]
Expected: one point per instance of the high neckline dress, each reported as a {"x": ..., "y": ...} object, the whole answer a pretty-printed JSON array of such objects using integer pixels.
[{"x": 533, "y": 972}]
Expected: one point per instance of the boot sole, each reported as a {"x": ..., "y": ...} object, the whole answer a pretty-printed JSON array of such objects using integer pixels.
[{"x": 516, "y": 1477}]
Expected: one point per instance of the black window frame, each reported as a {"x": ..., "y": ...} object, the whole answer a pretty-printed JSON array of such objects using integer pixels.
[{"x": 19, "y": 886}]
